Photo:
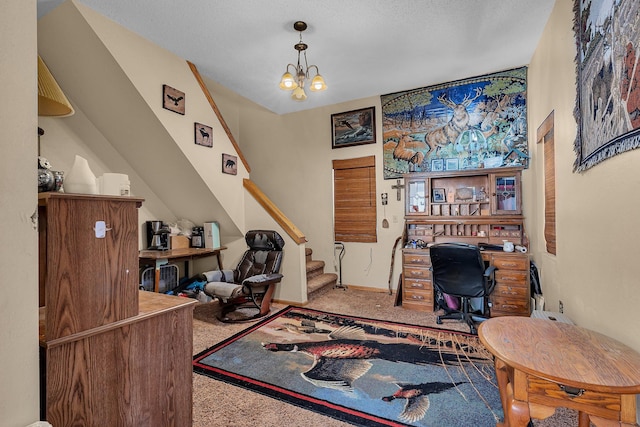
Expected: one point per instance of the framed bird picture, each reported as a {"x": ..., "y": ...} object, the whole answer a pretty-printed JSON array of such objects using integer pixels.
[
  {"x": 354, "y": 127},
  {"x": 203, "y": 135},
  {"x": 229, "y": 164},
  {"x": 173, "y": 99}
]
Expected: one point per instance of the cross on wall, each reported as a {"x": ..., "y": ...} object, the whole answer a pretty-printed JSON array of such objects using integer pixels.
[{"x": 398, "y": 187}]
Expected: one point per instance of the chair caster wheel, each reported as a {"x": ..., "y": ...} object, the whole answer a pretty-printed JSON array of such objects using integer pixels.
[{"x": 438, "y": 321}]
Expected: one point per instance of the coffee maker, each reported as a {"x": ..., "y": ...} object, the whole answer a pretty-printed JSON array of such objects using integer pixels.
[{"x": 157, "y": 235}]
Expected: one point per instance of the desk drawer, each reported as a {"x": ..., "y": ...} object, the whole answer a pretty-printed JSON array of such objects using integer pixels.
[
  {"x": 510, "y": 291},
  {"x": 417, "y": 299},
  {"x": 513, "y": 262},
  {"x": 511, "y": 277},
  {"x": 419, "y": 257},
  {"x": 544, "y": 392},
  {"x": 503, "y": 306},
  {"x": 418, "y": 284},
  {"x": 412, "y": 272}
]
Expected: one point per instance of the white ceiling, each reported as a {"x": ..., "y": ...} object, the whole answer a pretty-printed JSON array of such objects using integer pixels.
[{"x": 363, "y": 48}]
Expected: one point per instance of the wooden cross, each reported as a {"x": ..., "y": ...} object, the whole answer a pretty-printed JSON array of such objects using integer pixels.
[{"x": 398, "y": 187}]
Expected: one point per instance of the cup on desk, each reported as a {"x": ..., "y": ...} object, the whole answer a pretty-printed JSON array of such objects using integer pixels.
[{"x": 508, "y": 246}]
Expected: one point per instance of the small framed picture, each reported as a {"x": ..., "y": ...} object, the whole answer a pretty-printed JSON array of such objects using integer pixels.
[
  {"x": 355, "y": 127},
  {"x": 173, "y": 99},
  {"x": 451, "y": 164},
  {"x": 229, "y": 164},
  {"x": 439, "y": 195},
  {"x": 203, "y": 135},
  {"x": 437, "y": 165}
]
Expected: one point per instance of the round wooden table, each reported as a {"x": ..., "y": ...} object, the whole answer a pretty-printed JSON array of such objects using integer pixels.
[{"x": 542, "y": 364}]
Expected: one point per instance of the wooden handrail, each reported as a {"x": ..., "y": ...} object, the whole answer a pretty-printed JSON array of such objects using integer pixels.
[
  {"x": 207, "y": 94},
  {"x": 275, "y": 213}
]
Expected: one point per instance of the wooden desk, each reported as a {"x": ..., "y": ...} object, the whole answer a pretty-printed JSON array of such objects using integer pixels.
[
  {"x": 159, "y": 258},
  {"x": 542, "y": 365}
]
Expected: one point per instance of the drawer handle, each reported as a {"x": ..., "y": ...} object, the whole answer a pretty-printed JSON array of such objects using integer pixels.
[
  {"x": 509, "y": 279},
  {"x": 509, "y": 264},
  {"x": 509, "y": 306},
  {"x": 416, "y": 285},
  {"x": 417, "y": 297},
  {"x": 509, "y": 292},
  {"x": 572, "y": 391}
]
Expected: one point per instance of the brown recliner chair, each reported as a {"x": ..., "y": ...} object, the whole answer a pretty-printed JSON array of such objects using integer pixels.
[{"x": 245, "y": 293}]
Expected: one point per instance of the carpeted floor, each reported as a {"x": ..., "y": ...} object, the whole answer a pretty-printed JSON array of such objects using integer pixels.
[{"x": 216, "y": 403}]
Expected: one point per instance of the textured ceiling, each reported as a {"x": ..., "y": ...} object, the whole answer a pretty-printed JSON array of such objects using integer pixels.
[{"x": 363, "y": 48}]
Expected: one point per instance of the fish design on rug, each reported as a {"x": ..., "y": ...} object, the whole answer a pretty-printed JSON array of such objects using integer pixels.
[
  {"x": 342, "y": 359},
  {"x": 417, "y": 396}
]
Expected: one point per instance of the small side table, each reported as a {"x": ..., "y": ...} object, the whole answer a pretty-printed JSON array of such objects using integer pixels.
[{"x": 542, "y": 364}]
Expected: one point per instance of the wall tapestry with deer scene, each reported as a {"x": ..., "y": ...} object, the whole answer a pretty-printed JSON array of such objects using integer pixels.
[{"x": 466, "y": 124}]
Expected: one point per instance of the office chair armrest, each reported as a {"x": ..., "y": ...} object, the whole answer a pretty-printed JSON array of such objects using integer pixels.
[
  {"x": 262, "y": 279},
  {"x": 490, "y": 270}
]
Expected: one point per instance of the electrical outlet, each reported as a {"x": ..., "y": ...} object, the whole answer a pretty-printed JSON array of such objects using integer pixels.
[{"x": 560, "y": 307}]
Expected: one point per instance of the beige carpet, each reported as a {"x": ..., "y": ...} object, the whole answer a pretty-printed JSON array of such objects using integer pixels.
[{"x": 216, "y": 403}]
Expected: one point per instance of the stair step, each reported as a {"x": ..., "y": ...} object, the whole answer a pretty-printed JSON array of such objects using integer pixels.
[
  {"x": 314, "y": 268},
  {"x": 320, "y": 283}
]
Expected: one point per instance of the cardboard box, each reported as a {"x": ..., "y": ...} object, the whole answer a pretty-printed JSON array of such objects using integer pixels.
[
  {"x": 211, "y": 234},
  {"x": 178, "y": 242}
]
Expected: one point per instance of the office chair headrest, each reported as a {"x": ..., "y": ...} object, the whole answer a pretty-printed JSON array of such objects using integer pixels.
[{"x": 264, "y": 240}]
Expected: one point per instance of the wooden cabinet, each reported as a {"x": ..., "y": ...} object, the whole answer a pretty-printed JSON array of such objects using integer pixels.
[
  {"x": 110, "y": 354},
  {"x": 470, "y": 206}
]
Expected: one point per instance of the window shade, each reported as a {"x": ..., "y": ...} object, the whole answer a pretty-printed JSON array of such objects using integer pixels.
[
  {"x": 545, "y": 136},
  {"x": 354, "y": 200}
]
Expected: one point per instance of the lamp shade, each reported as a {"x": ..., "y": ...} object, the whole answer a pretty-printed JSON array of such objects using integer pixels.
[
  {"x": 287, "y": 82},
  {"x": 317, "y": 84},
  {"x": 51, "y": 99},
  {"x": 298, "y": 94}
]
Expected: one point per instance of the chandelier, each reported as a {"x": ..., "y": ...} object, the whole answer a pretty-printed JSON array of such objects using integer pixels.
[{"x": 295, "y": 75}]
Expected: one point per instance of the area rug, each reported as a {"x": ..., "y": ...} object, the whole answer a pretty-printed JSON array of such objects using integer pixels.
[{"x": 362, "y": 371}]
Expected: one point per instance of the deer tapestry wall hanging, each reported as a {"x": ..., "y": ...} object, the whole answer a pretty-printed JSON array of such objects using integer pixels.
[
  {"x": 472, "y": 123},
  {"x": 608, "y": 73}
]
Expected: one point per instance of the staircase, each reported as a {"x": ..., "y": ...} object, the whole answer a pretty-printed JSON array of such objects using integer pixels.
[{"x": 318, "y": 281}]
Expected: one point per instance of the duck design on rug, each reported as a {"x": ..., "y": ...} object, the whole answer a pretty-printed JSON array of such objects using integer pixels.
[{"x": 342, "y": 359}]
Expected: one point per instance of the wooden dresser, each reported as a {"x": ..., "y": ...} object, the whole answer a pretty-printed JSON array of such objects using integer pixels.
[
  {"x": 470, "y": 206},
  {"x": 110, "y": 354}
]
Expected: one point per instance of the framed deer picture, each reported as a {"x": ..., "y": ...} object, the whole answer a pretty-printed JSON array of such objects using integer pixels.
[{"x": 472, "y": 122}]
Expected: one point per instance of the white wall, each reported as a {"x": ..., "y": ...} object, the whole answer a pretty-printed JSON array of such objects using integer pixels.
[
  {"x": 291, "y": 159},
  {"x": 596, "y": 272},
  {"x": 19, "y": 369}
]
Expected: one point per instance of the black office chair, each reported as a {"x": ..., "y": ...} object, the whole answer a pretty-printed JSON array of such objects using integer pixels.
[
  {"x": 245, "y": 293},
  {"x": 458, "y": 270}
]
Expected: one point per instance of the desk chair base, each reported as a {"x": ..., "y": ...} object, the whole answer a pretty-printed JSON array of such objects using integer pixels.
[{"x": 466, "y": 315}]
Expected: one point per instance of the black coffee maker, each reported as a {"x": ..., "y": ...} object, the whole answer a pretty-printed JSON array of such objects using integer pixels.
[{"x": 157, "y": 235}]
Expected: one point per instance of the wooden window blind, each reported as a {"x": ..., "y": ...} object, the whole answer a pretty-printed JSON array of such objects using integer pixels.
[
  {"x": 545, "y": 136},
  {"x": 354, "y": 200}
]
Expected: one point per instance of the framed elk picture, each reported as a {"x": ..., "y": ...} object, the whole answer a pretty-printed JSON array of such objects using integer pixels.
[
  {"x": 203, "y": 134},
  {"x": 469, "y": 124}
]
